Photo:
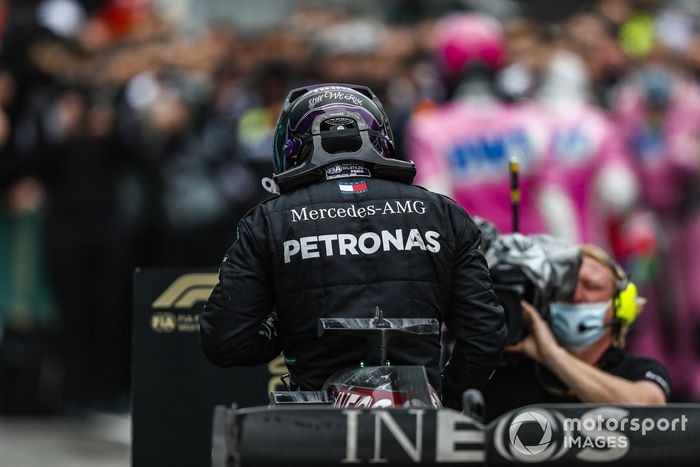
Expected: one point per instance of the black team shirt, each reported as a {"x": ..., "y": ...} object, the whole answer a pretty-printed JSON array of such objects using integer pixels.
[{"x": 527, "y": 382}]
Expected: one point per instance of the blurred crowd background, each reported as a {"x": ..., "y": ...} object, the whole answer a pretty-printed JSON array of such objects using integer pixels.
[{"x": 136, "y": 132}]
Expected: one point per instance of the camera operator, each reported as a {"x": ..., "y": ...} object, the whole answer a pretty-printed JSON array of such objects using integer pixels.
[{"x": 578, "y": 356}]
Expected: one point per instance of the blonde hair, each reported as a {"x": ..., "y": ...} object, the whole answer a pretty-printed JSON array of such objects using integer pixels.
[
  {"x": 602, "y": 256},
  {"x": 620, "y": 280}
]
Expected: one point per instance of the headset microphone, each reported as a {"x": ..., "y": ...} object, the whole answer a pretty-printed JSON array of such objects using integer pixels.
[{"x": 585, "y": 327}]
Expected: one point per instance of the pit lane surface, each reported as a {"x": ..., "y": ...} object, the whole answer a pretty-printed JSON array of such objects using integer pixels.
[{"x": 94, "y": 440}]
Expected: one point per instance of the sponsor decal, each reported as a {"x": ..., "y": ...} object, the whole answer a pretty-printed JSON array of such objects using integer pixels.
[
  {"x": 572, "y": 146},
  {"x": 358, "y": 211},
  {"x": 353, "y": 187},
  {"x": 457, "y": 439},
  {"x": 487, "y": 155},
  {"x": 367, "y": 243},
  {"x": 649, "y": 146}
]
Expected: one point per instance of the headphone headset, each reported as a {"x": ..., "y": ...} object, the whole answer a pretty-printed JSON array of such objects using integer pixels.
[{"x": 626, "y": 303}]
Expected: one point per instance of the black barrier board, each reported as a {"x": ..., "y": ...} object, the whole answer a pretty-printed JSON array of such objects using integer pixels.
[{"x": 174, "y": 387}]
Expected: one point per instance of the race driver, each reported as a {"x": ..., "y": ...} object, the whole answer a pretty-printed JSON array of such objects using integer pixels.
[{"x": 347, "y": 233}]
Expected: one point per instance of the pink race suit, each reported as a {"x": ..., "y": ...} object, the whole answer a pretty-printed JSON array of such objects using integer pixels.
[
  {"x": 588, "y": 161},
  {"x": 462, "y": 150}
]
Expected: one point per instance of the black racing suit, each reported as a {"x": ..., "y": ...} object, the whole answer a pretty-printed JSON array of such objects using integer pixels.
[{"x": 339, "y": 248}]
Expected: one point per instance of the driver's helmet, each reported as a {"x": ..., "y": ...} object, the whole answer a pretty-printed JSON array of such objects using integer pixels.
[
  {"x": 328, "y": 123},
  {"x": 464, "y": 40}
]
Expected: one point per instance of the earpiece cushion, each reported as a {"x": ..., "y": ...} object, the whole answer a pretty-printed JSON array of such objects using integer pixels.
[{"x": 626, "y": 307}]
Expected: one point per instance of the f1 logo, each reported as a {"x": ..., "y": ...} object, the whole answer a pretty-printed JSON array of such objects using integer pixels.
[{"x": 187, "y": 290}]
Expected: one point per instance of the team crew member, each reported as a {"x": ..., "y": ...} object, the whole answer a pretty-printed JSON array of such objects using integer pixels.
[
  {"x": 580, "y": 358},
  {"x": 349, "y": 232}
]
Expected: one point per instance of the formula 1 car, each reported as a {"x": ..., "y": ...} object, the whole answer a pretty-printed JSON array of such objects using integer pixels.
[{"x": 390, "y": 414}]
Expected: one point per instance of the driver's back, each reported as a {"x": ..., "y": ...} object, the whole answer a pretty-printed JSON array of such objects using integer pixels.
[{"x": 339, "y": 248}]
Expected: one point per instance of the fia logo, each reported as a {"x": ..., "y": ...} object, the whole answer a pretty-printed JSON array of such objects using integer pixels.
[
  {"x": 334, "y": 169},
  {"x": 163, "y": 322}
]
